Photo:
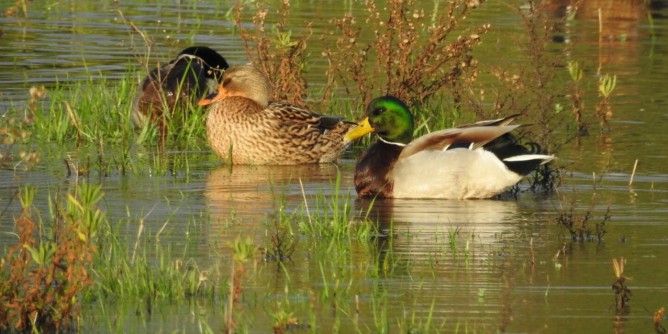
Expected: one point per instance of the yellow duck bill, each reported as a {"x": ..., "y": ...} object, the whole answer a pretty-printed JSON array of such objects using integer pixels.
[{"x": 361, "y": 129}]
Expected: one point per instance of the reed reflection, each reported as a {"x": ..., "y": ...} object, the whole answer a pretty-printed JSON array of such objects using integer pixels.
[{"x": 620, "y": 32}]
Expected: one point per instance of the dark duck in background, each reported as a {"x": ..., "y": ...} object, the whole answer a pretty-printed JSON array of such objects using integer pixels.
[{"x": 176, "y": 86}]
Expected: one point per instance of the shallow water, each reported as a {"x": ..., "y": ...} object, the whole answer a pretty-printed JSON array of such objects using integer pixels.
[{"x": 489, "y": 265}]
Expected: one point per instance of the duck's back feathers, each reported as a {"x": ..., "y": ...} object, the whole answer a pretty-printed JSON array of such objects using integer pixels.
[
  {"x": 492, "y": 122},
  {"x": 186, "y": 75},
  {"x": 467, "y": 168},
  {"x": 454, "y": 163},
  {"x": 295, "y": 115},
  {"x": 209, "y": 57},
  {"x": 461, "y": 163}
]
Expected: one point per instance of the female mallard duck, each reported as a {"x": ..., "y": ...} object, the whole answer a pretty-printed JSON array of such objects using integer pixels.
[
  {"x": 243, "y": 127},
  {"x": 193, "y": 74},
  {"x": 473, "y": 161}
]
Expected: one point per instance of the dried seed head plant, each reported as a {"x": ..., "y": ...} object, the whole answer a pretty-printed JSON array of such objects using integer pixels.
[
  {"x": 527, "y": 83},
  {"x": 276, "y": 52},
  {"x": 410, "y": 55}
]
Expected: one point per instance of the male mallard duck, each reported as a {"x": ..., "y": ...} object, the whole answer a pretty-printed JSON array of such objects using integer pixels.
[
  {"x": 193, "y": 74},
  {"x": 473, "y": 161},
  {"x": 243, "y": 127}
]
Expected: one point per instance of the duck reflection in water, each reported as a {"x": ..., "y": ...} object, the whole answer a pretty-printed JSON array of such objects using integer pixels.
[
  {"x": 250, "y": 195},
  {"x": 418, "y": 228}
]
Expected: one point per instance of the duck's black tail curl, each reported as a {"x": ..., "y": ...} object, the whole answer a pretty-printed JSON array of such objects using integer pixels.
[{"x": 521, "y": 159}]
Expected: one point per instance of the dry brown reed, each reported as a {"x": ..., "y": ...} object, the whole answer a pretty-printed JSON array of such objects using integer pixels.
[
  {"x": 276, "y": 52},
  {"x": 579, "y": 225},
  {"x": 410, "y": 55}
]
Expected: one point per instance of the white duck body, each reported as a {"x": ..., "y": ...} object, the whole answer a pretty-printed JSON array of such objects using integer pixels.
[
  {"x": 459, "y": 173},
  {"x": 429, "y": 168}
]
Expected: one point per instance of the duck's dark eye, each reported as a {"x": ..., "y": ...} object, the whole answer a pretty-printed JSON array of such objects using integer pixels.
[{"x": 379, "y": 110}]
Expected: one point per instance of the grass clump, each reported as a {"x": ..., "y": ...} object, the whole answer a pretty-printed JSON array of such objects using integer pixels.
[
  {"x": 19, "y": 10},
  {"x": 602, "y": 110},
  {"x": 85, "y": 127},
  {"x": 333, "y": 220},
  {"x": 96, "y": 114},
  {"x": 281, "y": 238},
  {"x": 119, "y": 274},
  {"x": 285, "y": 320},
  {"x": 47, "y": 270},
  {"x": 77, "y": 257}
]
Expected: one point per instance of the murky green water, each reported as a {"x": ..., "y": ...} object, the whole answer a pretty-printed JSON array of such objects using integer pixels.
[{"x": 510, "y": 268}]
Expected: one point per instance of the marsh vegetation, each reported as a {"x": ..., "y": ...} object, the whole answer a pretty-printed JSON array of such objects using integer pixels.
[{"x": 105, "y": 228}]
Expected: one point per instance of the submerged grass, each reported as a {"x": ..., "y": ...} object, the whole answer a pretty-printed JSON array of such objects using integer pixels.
[
  {"x": 122, "y": 275},
  {"x": 150, "y": 273},
  {"x": 354, "y": 270},
  {"x": 85, "y": 127},
  {"x": 333, "y": 219}
]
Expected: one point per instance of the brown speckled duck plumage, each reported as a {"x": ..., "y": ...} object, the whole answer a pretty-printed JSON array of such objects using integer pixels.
[{"x": 243, "y": 127}]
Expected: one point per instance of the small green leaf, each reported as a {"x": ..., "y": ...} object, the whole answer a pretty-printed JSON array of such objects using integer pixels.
[
  {"x": 606, "y": 84},
  {"x": 574, "y": 70}
]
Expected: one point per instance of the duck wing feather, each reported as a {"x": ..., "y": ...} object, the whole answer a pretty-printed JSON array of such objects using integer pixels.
[
  {"x": 295, "y": 115},
  {"x": 477, "y": 136}
]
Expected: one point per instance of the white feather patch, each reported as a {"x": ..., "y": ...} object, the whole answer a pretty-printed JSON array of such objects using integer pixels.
[
  {"x": 529, "y": 157},
  {"x": 391, "y": 142}
]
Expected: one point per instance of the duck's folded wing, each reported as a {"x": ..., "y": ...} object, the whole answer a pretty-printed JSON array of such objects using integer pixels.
[
  {"x": 473, "y": 136},
  {"x": 295, "y": 115},
  {"x": 492, "y": 122}
]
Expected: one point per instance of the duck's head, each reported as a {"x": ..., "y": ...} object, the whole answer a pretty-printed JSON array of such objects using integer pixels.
[
  {"x": 211, "y": 58},
  {"x": 387, "y": 116},
  {"x": 245, "y": 81}
]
